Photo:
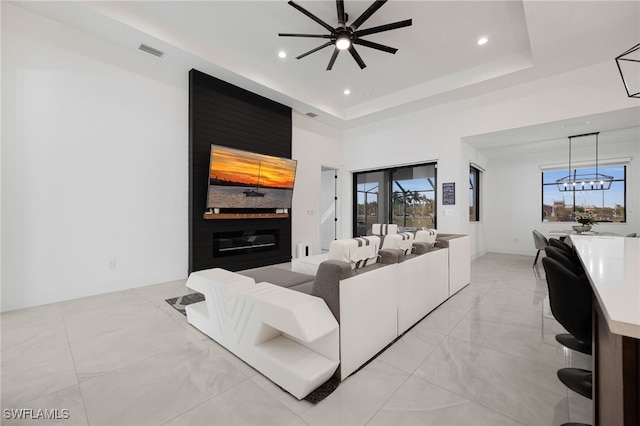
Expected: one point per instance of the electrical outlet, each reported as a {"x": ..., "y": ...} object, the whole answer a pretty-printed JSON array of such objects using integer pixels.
[{"x": 111, "y": 265}]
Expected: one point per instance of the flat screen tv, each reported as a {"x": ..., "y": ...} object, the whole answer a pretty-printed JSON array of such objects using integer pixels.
[{"x": 242, "y": 180}]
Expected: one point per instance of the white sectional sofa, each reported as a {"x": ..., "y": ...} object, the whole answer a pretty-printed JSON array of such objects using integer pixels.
[
  {"x": 359, "y": 301},
  {"x": 423, "y": 284},
  {"x": 289, "y": 336},
  {"x": 459, "y": 260}
]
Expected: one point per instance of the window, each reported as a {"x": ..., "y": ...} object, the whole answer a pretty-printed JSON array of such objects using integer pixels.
[
  {"x": 474, "y": 194},
  {"x": 607, "y": 205},
  {"x": 404, "y": 196}
]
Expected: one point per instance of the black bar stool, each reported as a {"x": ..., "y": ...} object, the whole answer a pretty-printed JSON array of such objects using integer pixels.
[
  {"x": 570, "y": 299},
  {"x": 565, "y": 339}
]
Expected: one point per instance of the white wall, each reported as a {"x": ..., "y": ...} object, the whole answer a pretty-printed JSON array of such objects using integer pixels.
[
  {"x": 414, "y": 138},
  {"x": 314, "y": 145},
  {"x": 437, "y": 134},
  {"x": 94, "y": 164}
]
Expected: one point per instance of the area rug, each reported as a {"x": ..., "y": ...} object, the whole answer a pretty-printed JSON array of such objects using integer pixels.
[{"x": 323, "y": 391}]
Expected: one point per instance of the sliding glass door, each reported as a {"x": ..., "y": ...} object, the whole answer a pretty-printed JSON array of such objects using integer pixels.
[{"x": 405, "y": 196}]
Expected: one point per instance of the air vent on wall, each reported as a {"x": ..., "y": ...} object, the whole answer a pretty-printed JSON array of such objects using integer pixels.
[
  {"x": 151, "y": 50},
  {"x": 312, "y": 115}
]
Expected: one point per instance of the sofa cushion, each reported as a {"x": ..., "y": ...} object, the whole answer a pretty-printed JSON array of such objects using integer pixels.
[
  {"x": 327, "y": 283},
  {"x": 390, "y": 256},
  {"x": 422, "y": 248},
  {"x": 426, "y": 236},
  {"x": 356, "y": 251},
  {"x": 384, "y": 228},
  {"x": 402, "y": 241},
  {"x": 306, "y": 288},
  {"x": 277, "y": 276}
]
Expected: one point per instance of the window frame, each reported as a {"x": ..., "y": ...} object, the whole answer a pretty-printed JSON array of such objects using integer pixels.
[{"x": 624, "y": 181}]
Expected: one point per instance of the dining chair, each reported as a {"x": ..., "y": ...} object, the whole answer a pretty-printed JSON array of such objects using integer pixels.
[
  {"x": 540, "y": 242},
  {"x": 555, "y": 242}
]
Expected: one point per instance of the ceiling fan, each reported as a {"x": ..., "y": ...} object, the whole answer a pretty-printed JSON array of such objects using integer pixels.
[{"x": 345, "y": 37}]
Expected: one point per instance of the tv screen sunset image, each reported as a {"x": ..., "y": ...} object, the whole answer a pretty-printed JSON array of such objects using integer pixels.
[{"x": 242, "y": 179}]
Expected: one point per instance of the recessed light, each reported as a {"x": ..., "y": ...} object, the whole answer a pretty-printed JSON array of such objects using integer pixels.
[
  {"x": 482, "y": 40},
  {"x": 282, "y": 54},
  {"x": 347, "y": 92}
]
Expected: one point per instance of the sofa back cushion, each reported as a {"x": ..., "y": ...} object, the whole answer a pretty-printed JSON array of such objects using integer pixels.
[
  {"x": 402, "y": 241},
  {"x": 426, "y": 236},
  {"x": 326, "y": 285},
  {"x": 384, "y": 229},
  {"x": 358, "y": 252}
]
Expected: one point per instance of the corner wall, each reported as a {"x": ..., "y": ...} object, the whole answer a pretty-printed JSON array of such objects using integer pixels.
[{"x": 94, "y": 164}]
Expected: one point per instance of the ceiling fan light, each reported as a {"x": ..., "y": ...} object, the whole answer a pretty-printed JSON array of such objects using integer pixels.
[{"x": 343, "y": 43}]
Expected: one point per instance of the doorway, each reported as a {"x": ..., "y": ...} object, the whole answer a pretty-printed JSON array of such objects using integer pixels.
[{"x": 328, "y": 203}]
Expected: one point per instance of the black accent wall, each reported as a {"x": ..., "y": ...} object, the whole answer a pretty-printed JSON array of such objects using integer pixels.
[{"x": 223, "y": 114}]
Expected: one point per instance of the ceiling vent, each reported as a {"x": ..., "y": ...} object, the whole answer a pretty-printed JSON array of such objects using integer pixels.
[
  {"x": 151, "y": 50},
  {"x": 312, "y": 115}
]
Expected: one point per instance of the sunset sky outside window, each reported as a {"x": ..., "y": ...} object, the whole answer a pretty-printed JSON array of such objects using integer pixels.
[{"x": 239, "y": 166}]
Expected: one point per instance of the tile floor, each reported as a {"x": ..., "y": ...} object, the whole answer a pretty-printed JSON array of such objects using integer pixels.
[{"x": 485, "y": 357}]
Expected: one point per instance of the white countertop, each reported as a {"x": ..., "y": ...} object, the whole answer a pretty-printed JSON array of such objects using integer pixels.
[{"x": 613, "y": 267}]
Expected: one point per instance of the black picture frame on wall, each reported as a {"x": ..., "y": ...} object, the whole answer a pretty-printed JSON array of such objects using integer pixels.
[{"x": 449, "y": 194}]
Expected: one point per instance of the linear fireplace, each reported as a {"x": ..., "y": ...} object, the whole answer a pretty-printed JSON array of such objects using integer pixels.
[{"x": 242, "y": 242}]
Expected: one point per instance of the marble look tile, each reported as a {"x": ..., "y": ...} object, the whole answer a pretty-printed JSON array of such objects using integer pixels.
[
  {"x": 425, "y": 332},
  {"x": 407, "y": 353},
  {"x": 30, "y": 376},
  {"x": 25, "y": 331},
  {"x": 418, "y": 402},
  {"x": 91, "y": 316},
  {"x": 466, "y": 298},
  {"x": 159, "y": 293},
  {"x": 580, "y": 408},
  {"x": 577, "y": 359},
  {"x": 519, "y": 388},
  {"x": 440, "y": 321},
  {"x": 212, "y": 346},
  {"x": 244, "y": 404},
  {"x": 517, "y": 281},
  {"x": 298, "y": 407},
  {"x": 118, "y": 348},
  {"x": 526, "y": 338},
  {"x": 510, "y": 302},
  {"x": 358, "y": 397},
  {"x": 68, "y": 400},
  {"x": 483, "y": 281},
  {"x": 159, "y": 388}
]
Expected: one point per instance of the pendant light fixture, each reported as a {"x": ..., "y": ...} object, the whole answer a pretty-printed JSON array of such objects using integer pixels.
[
  {"x": 584, "y": 181},
  {"x": 629, "y": 64}
]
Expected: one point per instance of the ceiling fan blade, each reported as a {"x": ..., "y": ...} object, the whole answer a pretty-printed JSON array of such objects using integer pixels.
[
  {"x": 381, "y": 28},
  {"x": 357, "y": 57},
  {"x": 377, "y": 46},
  {"x": 314, "y": 50},
  {"x": 312, "y": 16},
  {"x": 367, "y": 14},
  {"x": 305, "y": 35},
  {"x": 342, "y": 19},
  {"x": 333, "y": 59}
]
